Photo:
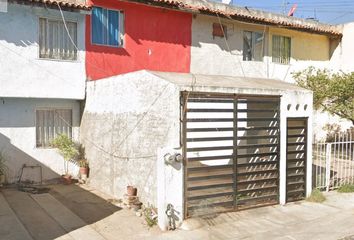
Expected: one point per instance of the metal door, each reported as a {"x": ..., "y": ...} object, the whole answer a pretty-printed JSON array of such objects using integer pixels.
[
  {"x": 296, "y": 159},
  {"x": 231, "y": 152}
]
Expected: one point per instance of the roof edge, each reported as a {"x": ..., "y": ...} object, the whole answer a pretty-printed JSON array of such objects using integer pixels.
[
  {"x": 66, "y": 5},
  {"x": 246, "y": 15}
]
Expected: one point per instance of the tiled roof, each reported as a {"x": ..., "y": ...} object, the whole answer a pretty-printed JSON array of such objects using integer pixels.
[
  {"x": 249, "y": 15},
  {"x": 68, "y": 4}
]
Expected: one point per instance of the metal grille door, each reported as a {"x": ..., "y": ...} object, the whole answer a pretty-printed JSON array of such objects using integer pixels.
[
  {"x": 296, "y": 159},
  {"x": 231, "y": 152}
]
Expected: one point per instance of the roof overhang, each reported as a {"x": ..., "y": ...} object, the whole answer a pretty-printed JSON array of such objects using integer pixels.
[
  {"x": 65, "y": 5},
  {"x": 201, "y": 81},
  {"x": 246, "y": 15}
]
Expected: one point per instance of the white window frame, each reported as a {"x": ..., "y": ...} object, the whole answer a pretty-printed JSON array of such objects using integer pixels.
[{"x": 74, "y": 38}]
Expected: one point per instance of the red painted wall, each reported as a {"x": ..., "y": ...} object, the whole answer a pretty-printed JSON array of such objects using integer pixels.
[{"x": 155, "y": 39}]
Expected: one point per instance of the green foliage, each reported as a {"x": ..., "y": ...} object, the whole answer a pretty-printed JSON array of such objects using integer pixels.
[
  {"x": 83, "y": 163},
  {"x": 3, "y": 167},
  {"x": 316, "y": 196},
  {"x": 67, "y": 147},
  {"x": 347, "y": 188},
  {"x": 333, "y": 92},
  {"x": 150, "y": 216},
  {"x": 332, "y": 131}
]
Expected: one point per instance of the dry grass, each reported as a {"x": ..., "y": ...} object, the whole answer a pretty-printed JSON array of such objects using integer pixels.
[
  {"x": 347, "y": 188},
  {"x": 316, "y": 196}
]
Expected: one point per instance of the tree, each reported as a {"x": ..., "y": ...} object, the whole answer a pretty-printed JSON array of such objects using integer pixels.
[{"x": 333, "y": 92}]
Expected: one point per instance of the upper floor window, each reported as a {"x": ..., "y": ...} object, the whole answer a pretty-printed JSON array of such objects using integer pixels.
[
  {"x": 281, "y": 49},
  {"x": 253, "y": 46},
  {"x": 54, "y": 39},
  {"x": 107, "y": 27}
]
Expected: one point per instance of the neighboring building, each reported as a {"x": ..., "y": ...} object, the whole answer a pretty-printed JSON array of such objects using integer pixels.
[
  {"x": 138, "y": 37},
  {"x": 42, "y": 79},
  {"x": 211, "y": 82}
]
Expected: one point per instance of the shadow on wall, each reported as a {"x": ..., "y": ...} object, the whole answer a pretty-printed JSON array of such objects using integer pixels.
[
  {"x": 15, "y": 158},
  {"x": 26, "y": 35}
]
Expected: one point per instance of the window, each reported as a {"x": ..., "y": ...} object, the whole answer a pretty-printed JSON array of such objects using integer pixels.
[
  {"x": 54, "y": 41},
  {"x": 219, "y": 30},
  {"x": 253, "y": 46},
  {"x": 281, "y": 49},
  {"x": 50, "y": 123},
  {"x": 107, "y": 27}
]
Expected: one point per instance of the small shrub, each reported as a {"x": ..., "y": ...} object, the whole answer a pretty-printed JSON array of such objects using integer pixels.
[
  {"x": 150, "y": 216},
  {"x": 347, "y": 188},
  {"x": 316, "y": 196},
  {"x": 67, "y": 147}
]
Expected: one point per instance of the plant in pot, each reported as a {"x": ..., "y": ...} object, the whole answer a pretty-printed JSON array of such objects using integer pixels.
[
  {"x": 67, "y": 148},
  {"x": 3, "y": 168},
  {"x": 83, "y": 163}
]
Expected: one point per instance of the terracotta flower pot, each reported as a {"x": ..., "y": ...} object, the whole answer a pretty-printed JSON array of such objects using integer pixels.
[
  {"x": 84, "y": 172},
  {"x": 66, "y": 179},
  {"x": 132, "y": 191}
]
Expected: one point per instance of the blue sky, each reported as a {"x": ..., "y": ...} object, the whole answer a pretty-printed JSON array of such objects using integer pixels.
[{"x": 328, "y": 11}]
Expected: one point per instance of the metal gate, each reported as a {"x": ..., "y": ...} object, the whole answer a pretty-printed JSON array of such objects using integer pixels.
[
  {"x": 231, "y": 152},
  {"x": 296, "y": 159}
]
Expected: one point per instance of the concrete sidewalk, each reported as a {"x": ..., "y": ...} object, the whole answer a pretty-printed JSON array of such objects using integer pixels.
[{"x": 70, "y": 212}]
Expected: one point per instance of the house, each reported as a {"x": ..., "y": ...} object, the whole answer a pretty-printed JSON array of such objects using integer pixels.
[
  {"x": 190, "y": 101},
  {"x": 42, "y": 83},
  {"x": 193, "y": 103}
]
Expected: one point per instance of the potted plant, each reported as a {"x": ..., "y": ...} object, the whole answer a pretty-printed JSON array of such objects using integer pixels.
[
  {"x": 83, "y": 163},
  {"x": 67, "y": 148},
  {"x": 3, "y": 169}
]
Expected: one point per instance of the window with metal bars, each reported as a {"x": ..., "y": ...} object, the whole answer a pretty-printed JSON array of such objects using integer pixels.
[
  {"x": 54, "y": 41},
  {"x": 50, "y": 123},
  {"x": 281, "y": 49}
]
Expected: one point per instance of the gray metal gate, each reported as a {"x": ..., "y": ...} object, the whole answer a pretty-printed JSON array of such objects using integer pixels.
[
  {"x": 231, "y": 152},
  {"x": 296, "y": 159}
]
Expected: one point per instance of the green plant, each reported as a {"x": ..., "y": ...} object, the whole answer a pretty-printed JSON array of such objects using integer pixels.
[
  {"x": 67, "y": 148},
  {"x": 333, "y": 92},
  {"x": 332, "y": 131},
  {"x": 346, "y": 188},
  {"x": 150, "y": 216},
  {"x": 83, "y": 163},
  {"x": 81, "y": 158},
  {"x": 316, "y": 196}
]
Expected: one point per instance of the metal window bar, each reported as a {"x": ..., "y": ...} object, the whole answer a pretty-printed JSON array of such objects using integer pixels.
[
  {"x": 54, "y": 42},
  {"x": 50, "y": 123}
]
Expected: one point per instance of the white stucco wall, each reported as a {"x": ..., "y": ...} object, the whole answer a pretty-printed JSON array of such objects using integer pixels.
[
  {"x": 126, "y": 119},
  {"x": 212, "y": 55},
  {"x": 18, "y": 138},
  {"x": 22, "y": 72},
  {"x": 342, "y": 58}
]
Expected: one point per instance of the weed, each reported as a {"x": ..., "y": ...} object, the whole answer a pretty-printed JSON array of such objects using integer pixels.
[
  {"x": 316, "y": 196},
  {"x": 346, "y": 188}
]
